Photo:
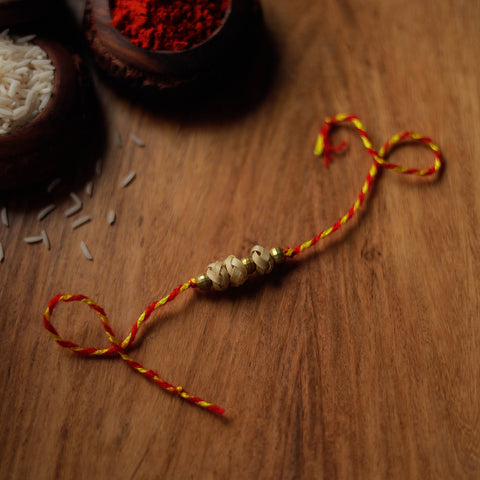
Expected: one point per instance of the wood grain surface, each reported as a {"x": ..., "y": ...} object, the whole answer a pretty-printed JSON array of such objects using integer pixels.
[{"x": 359, "y": 359}]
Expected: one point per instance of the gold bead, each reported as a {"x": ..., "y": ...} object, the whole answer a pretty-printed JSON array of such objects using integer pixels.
[
  {"x": 203, "y": 282},
  {"x": 278, "y": 254},
  {"x": 249, "y": 264}
]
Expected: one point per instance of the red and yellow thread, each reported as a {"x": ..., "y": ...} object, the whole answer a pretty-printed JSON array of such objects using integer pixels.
[
  {"x": 120, "y": 348},
  {"x": 323, "y": 146}
]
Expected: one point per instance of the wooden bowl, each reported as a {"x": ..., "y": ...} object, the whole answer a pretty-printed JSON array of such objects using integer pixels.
[
  {"x": 33, "y": 151},
  {"x": 136, "y": 67}
]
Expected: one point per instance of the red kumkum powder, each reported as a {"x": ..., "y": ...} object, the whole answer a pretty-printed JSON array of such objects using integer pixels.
[{"x": 168, "y": 24}]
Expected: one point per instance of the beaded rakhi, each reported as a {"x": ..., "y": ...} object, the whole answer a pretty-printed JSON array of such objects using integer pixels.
[{"x": 234, "y": 271}]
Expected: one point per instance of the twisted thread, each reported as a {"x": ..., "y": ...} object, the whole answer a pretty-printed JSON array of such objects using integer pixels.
[
  {"x": 120, "y": 348},
  {"x": 233, "y": 271},
  {"x": 324, "y": 146}
]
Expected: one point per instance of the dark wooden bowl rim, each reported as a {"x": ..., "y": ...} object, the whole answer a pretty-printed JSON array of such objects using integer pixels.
[{"x": 164, "y": 62}]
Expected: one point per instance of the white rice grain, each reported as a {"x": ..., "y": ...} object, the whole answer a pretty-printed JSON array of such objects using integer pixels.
[
  {"x": 137, "y": 140},
  {"x": 80, "y": 221},
  {"x": 4, "y": 216},
  {"x": 89, "y": 189},
  {"x": 13, "y": 88},
  {"x": 111, "y": 217},
  {"x": 33, "y": 239},
  {"x": 86, "y": 251},
  {"x": 75, "y": 198},
  {"x": 26, "y": 38},
  {"x": 45, "y": 239},
  {"x": 45, "y": 211},
  {"x": 117, "y": 139},
  {"x": 128, "y": 179},
  {"x": 53, "y": 184},
  {"x": 74, "y": 208}
]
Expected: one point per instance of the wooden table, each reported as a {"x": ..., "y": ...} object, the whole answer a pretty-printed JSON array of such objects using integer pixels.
[{"x": 360, "y": 358}]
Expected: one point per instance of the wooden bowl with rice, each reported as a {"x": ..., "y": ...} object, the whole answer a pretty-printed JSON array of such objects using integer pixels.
[{"x": 30, "y": 153}]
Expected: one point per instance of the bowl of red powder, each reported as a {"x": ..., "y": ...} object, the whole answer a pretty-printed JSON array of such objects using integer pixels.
[
  {"x": 164, "y": 44},
  {"x": 168, "y": 25}
]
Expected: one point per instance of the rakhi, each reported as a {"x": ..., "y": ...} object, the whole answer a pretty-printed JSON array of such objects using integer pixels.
[{"x": 234, "y": 271}]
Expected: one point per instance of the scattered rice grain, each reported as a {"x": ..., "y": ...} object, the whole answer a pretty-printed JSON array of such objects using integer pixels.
[
  {"x": 89, "y": 189},
  {"x": 137, "y": 140},
  {"x": 80, "y": 221},
  {"x": 75, "y": 208},
  {"x": 111, "y": 217},
  {"x": 45, "y": 239},
  {"x": 117, "y": 139},
  {"x": 33, "y": 239},
  {"x": 4, "y": 216},
  {"x": 53, "y": 184},
  {"x": 128, "y": 179},
  {"x": 72, "y": 210},
  {"x": 86, "y": 251},
  {"x": 45, "y": 211},
  {"x": 75, "y": 198}
]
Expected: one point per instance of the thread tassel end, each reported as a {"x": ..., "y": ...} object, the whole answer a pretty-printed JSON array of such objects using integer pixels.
[{"x": 319, "y": 146}]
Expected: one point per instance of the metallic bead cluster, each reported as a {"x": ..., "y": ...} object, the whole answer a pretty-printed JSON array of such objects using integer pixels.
[{"x": 234, "y": 272}]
